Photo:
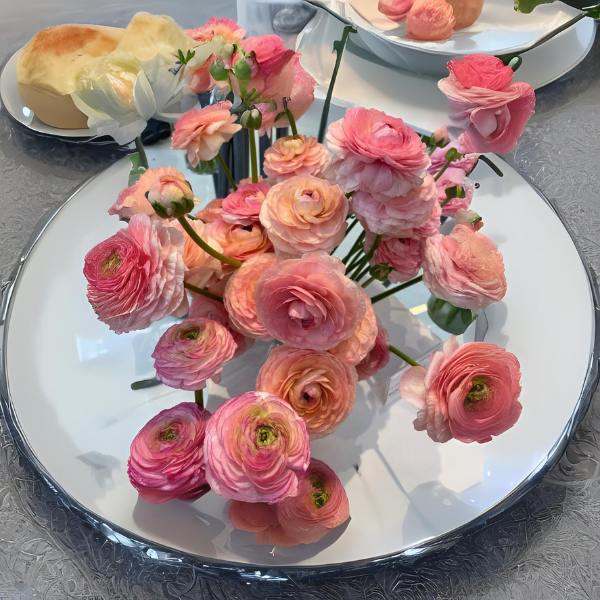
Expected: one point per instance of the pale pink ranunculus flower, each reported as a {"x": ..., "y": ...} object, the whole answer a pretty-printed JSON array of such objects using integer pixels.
[
  {"x": 308, "y": 302},
  {"x": 397, "y": 214},
  {"x": 243, "y": 206},
  {"x": 469, "y": 392},
  {"x": 438, "y": 159},
  {"x": 166, "y": 459},
  {"x": 395, "y": 10},
  {"x": 295, "y": 155},
  {"x": 239, "y": 299},
  {"x": 136, "y": 276},
  {"x": 191, "y": 352},
  {"x": 484, "y": 102},
  {"x": 430, "y": 21},
  {"x": 257, "y": 449},
  {"x": 240, "y": 242},
  {"x": 208, "y": 308},
  {"x": 405, "y": 255},
  {"x": 427, "y": 229},
  {"x": 211, "y": 212},
  {"x": 317, "y": 385},
  {"x": 378, "y": 357},
  {"x": 454, "y": 177},
  {"x": 229, "y": 30},
  {"x": 361, "y": 341},
  {"x": 304, "y": 214},
  {"x": 375, "y": 154},
  {"x": 464, "y": 268},
  {"x": 171, "y": 189},
  {"x": 202, "y": 132}
]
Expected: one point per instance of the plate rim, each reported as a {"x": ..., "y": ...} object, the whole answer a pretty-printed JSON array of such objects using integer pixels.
[{"x": 249, "y": 572}]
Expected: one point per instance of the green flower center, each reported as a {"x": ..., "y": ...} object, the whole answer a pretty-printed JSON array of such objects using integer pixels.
[
  {"x": 319, "y": 495},
  {"x": 190, "y": 334},
  {"x": 479, "y": 391},
  {"x": 111, "y": 265},
  {"x": 167, "y": 435},
  {"x": 265, "y": 435}
]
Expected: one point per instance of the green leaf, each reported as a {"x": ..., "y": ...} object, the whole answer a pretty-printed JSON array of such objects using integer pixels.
[
  {"x": 136, "y": 169},
  {"x": 449, "y": 317},
  {"x": 526, "y": 6}
]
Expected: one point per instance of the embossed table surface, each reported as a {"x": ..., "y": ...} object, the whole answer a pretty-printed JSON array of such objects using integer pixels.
[{"x": 545, "y": 547}]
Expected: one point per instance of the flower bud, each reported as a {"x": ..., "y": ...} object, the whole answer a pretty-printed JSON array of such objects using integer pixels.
[
  {"x": 242, "y": 70},
  {"x": 226, "y": 51},
  {"x": 219, "y": 71},
  {"x": 251, "y": 119},
  {"x": 453, "y": 154},
  {"x": 380, "y": 271},
  {"x": 171, "y": 196},
  {"x": 440, "y": 137}
]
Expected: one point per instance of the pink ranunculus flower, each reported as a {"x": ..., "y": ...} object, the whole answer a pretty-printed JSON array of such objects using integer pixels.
[
  {"x": 464, "y": 268},
  {"x": 376, "y": 154},
  {"x": 203, "y": 131},
  {"x": 395, "y": 10},
  {"x": 191, "y": 352},
  {"x": 135, "y": 277},
  {"x": 438, "y": 160},
  {"x": 469, "y": 392},
  {"x": 361, "y": 341},
  {"x": 257, "y": 449},
  {"x": 308, "y": 302},
  {"x": 454, "y": 177},
  {"x": 229, "y": 30},
  {"x": 240, "y": 242},
  {"x": 243, "y": 206},
  {"x": 295, "y": 155},
  {"x": 397, "y": 214},
  {"x": 318, "y": 386},
  {"x": 208, "y": 308},
  {"x": 305, "y": 214},
  {"x": 492, "y": 111},
  {"x": 470, "y": 218},
  {"x": 211, "y": 212},
  {"x": 429, "y": 228},
  {"x": 430, "y": 21},
  {"x": 378, "y": 357},
  {"x": 261, "y": 519},
  {"x": 405, "y": 255},
  {"x": 167, "y": 456},
  {"x": 239, "y": 296}
]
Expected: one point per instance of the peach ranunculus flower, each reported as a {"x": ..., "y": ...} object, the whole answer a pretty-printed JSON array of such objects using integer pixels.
[
  {"x": 203, "y": 131},
  {"x": 239, "y": 296},
  {"x": 257, "y": 449},
  {"x": 317, "y": 385},
  {"x": 166, "y": 460},
  {"x": 464, "y": 268},
  {"x": 295, "y": 155},
  {"x": 240, "y": 241},
  {"x": 395, "y": 10},
  {"x": 378, "y": 357},
  {"x": 397, "y": 214},
  {"x": 305, "y": 214},
  {"x": 308, "y": 302},
  {"x": 171, "y": 195},
  {"x": 136, "y": 276},
  {"x": 450, "y": 178},
  {"x": 469, "y": 392},
  {"x": 229, "y": 30},
  {"x": 376, "y": 154},
  {"x": 211, "y": 212},
  {"x": 361, "y": 341},
  {"x": 243, "y": 205},
  {"x": 430, "y": 21},
  {"x": 404, "y": 255},
  {"x": 320, "y": 506},
  {"x": 492, "y": 110},
  {"x": 191, "y": 352}
]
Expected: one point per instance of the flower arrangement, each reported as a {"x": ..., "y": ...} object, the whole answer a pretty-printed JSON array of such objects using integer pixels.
[{"x": 261, "y": 264}]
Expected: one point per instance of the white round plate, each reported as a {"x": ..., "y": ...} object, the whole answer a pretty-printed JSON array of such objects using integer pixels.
[{"x": 68, "y": 392}]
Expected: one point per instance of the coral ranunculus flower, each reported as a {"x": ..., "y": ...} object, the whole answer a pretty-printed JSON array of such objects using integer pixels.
[
  {"x": 257, "y": 449},
  {"x": 167, "y": 456},
  {"x": 243, "y": 206},
  {"x": 229, "y": 30},
  {"x": 430, "y": 21},
  {"x": 295, "y": 155},
  {"x": 135, "y": 277},
  {"x": 240, "y": 242},
  {"x": 211, "y": 212},
  {"x": 319, "y": 386},
  {"x": 378, "y": 357},
  {"x": 469, "y": 392},
  {"x": 395, "y": 10}
]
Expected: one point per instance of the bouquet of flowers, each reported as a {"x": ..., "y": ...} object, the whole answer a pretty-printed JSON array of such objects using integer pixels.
[{"x": 261, "y": 264}]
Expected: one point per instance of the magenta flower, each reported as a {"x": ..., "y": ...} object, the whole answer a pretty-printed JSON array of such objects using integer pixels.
[
  {"x": 242, "y": 207},
  {"x": 378, "y": 357}
]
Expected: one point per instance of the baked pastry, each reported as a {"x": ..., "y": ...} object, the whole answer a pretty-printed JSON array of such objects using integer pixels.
[{"x": 430, "y": 21}]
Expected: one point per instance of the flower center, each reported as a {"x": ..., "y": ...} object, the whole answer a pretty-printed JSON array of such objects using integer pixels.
[
  {"x": 311, "y": 393},
  {"x": 247, "y": 228},
  {"x": 111, "y": 265},
  {"x": 479, "y": 391},
  {"x": 167, "y": 435},
  {"x": 265, "y": 435},
  {"x": 319, "y": 495},
  {"x": 190, "y": 334}
]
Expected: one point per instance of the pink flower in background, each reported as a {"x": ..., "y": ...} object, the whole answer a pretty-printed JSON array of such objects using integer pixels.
[
  {"x": 239, "y": 296},
  {"x": 167, "y": 456},
  {"x": 441, "y": 137},
  {"x": 361, "y": 341},
  {"x": 378, "y": 357},
  {"x": 191, "y": 352},
  {"x": 430, "y": 21},
  {"x": 469, "y": 392},
  {"x": 405, "y": 255},
  {"x": 256, "y": 448},
  {"x": 295, "y": 155},
  {"x": 438, "y": 160},
  {"x": 243, "y": 205},
  {"x": 261, "y": 519},
  {"x": 229, "y": 30},
  {"x": 305, "y": 214},
  {"x": 202, "y": 132},
  {"x": 397, "y": 214},
  {"x": 492, "y": 111},
  {"x": 464, "y": 268},
  {"x": 427, "y": 229},
  {"x": 317, "y": 385},
  {"x": 135, "y": 277},
  {"x": 376, "y": 154},
  {"x": 454, "y": 177},
  {"x": 211, "y": 212},
  {"x": 213, "y": 309},
  {"x": 309, "y": 302},
  {"x": 240, "y": 241},
  {"x": 395, "y": 10}
]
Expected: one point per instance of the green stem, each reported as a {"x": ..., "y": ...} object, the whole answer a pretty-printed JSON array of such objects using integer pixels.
[
  {"x": 208, "y": 249},
  {"x": 397, "y": 288},
  {"x": 199, "y": 398},
  {"x": 227, "y": 172},
  {"x": 292, "y": 121},
  {"x": 367, "y": 257},
  {"x": 363, "y": 273},
  {"x": 338, "y": 46},
  {"x": 491, "y": 165},
  {"x": 368, "y": 282},
  {"x": 202, "y": 292},
  {"x": 351, "y": 226},
  {"x": 145, "y": 383},
  {"x": 253, "y": 156},
  {"x": 355, "y": 248},
  {"x": 140, "y": 148},
  {"x": 442, "y": 170},
  {"x": 403, "y": 356}
]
